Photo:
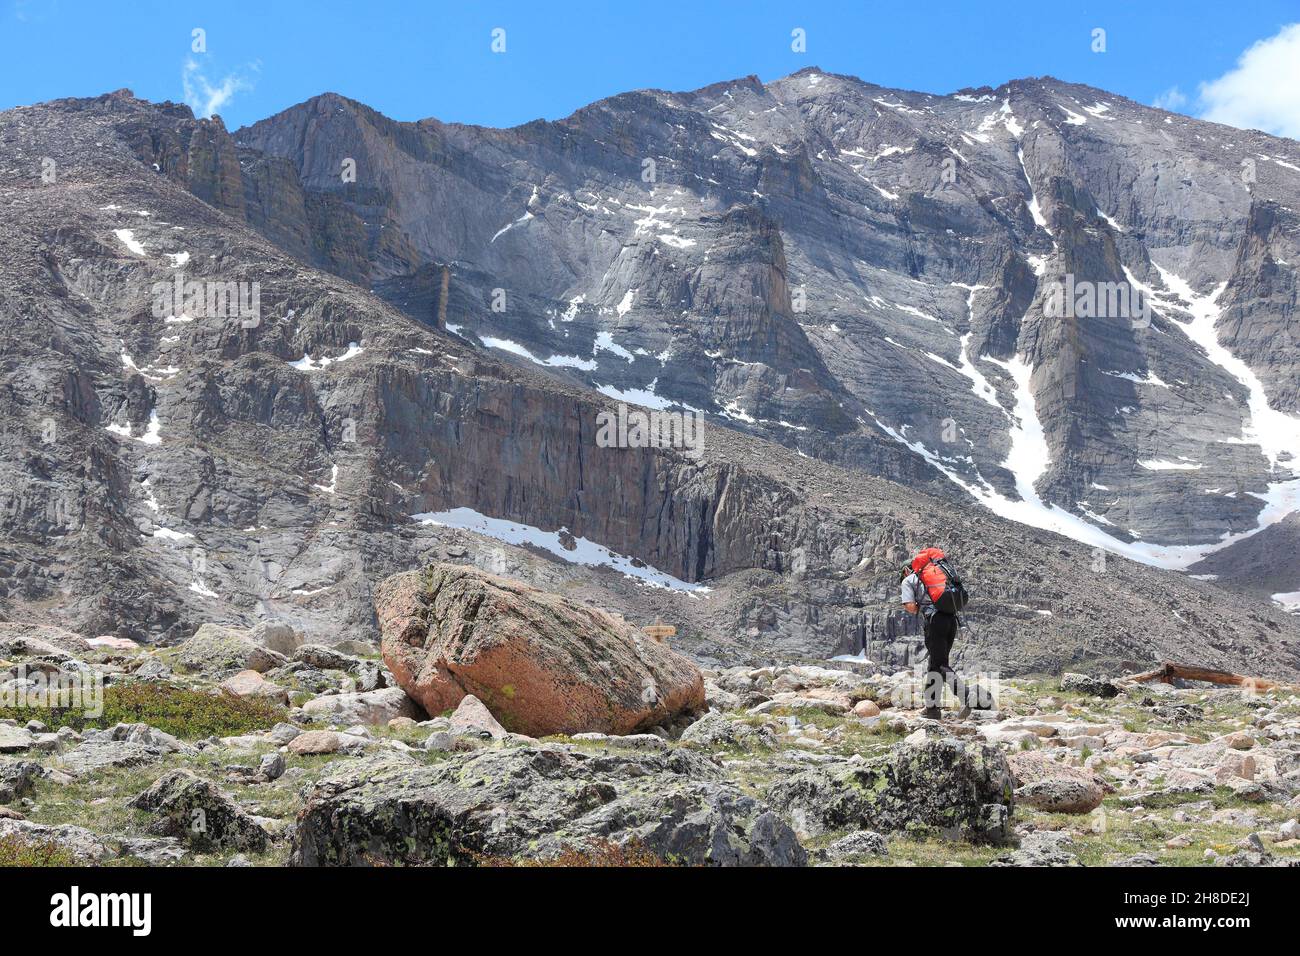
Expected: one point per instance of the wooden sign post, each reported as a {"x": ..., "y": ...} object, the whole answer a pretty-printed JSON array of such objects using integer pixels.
[{"x": 659, "y": 630}]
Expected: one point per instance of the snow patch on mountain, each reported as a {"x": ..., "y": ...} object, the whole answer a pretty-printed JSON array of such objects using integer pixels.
[
  {"x": 1034, "y": 209},
  {"x": 605, "y": 343},
  {"x": 1161, "y": 464},
  {"x": 128, "y": 239},
  {"x": 575, "y": 550},
  {"x": 308, "y": 364},
  {"x": 625, "y": 305}
]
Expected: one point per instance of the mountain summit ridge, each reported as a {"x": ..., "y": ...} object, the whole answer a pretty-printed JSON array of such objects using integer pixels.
[{"x": 975, "y": 191}]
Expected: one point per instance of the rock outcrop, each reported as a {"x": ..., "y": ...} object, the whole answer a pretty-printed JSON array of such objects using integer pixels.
[
  {"x": 216, "y": 649},
  {"x": 541, "y": 663},
  {"x": 193, "y": 809},
  {"x": 943, "y": 785},
  {"x": 537, "y": 801}
]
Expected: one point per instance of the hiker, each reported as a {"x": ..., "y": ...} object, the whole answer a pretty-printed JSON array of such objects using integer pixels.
[{"x": 930, "y": 586}]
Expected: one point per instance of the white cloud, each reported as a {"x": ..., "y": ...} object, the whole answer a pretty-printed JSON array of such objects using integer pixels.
[
  {"x": 1171, "y": 99},
  {"x": 206, "y": 98},
  {"x": 1263, "y": 90}
]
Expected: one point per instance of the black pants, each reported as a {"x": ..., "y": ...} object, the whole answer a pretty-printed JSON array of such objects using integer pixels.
[{"x": 940, "y": 633}]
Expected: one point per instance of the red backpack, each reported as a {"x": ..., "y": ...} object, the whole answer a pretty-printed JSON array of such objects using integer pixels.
[{"x": 940, "y": 580}]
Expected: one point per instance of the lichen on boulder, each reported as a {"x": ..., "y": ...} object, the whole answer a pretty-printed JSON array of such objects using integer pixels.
[{"x": 542, "y": 664}]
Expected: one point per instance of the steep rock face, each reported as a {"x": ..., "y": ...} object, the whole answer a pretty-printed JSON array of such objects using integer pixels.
[
  {"x": 637, "y": 245},
  {"x": 1259, "y": 316},
  {"x": 542, "y": 664}
]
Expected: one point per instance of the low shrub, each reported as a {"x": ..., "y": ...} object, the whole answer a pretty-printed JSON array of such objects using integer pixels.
[
  {"x": 603, "y": 853},
  {"x": 185, "y": 713},
  {"x": 16, "y": 851}
]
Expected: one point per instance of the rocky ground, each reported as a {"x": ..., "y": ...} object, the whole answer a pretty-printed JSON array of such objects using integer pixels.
[{"x": 249, "y": 748}]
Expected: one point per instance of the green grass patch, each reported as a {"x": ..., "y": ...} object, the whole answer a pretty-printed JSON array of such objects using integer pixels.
[
  {"x": 935, "y": 851},
  {"x": 189, "y": 714}
]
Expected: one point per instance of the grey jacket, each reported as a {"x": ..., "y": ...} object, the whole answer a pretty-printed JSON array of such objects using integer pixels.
[{"x": 912, "y": 591}]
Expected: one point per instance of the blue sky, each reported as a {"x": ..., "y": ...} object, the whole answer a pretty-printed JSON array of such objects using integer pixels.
[{"x": 417, "y": 59}]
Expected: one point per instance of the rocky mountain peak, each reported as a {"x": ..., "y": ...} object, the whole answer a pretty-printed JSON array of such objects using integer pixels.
[{"x": 849, "y": 286}]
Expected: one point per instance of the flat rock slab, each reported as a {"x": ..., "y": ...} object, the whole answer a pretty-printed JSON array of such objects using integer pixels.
[
  {"x": 15, "y": 739},
  {"x": 368, "y": 707},
  {"x": 1047, "y": 784},
  {"x": 84, "y": 845},
  {"x": 95, "y": 755}
]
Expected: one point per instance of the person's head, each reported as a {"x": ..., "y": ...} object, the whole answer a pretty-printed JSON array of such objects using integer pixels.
[{"x": 905, "y": 571}]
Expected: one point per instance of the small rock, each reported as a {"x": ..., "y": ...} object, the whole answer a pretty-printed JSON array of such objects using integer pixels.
[
  {"x": 192, "y": 809},
  {"x": 440, "y": 741},
  {"x": 271, "y": 766},
  {"x": 217, "y": 649},
  {"x": 282, "y": 733},
  {"x": 250, "y": 683},
  {"x": 472, "y": 718},
  {"x": 861, "y": 843},
  {"x": 315, "y": 742},
  {"x": 276, "y": 636},
  {"x": 1041, "y": 848},
  {"x": 325, "y": 658},
  {"x": 17, "y": 778},
  {"x": 114, "y": 643},
  {"x": 151, "y": 668},
  {"x": 156, "y": 851},
  {"x": 82, "y": 844},
  {"x": 713, "y": 729},
  {"x": 866, "y": 708},
  {"x": 368, "y": 707},
  {"x": 1084, "y": 684},
  {"x": 14, "y": 739},
  {"x": 1054, "y": 787}
]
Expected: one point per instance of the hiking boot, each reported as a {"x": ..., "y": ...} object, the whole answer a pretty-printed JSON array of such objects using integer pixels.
[{"x": 932, "y": 713}]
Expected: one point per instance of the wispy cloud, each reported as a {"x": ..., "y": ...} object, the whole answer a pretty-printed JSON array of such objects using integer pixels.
[
  {"x": 27, "y": 11},
  {"x": 205, "y": 97},
  {"x": 1171, "y": 99},
  {"x": 1262, "y": 91}
]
